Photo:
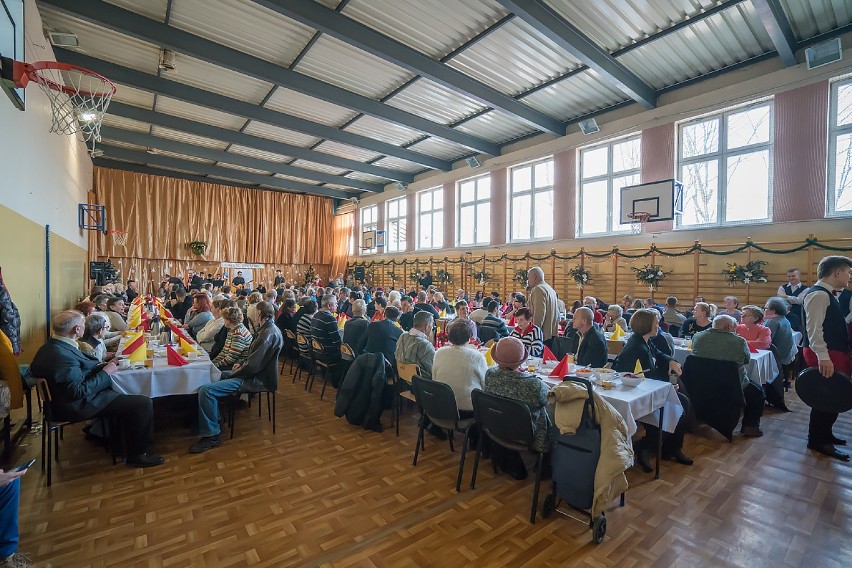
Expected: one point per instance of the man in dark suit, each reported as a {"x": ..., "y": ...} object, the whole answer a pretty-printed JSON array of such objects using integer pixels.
[
  {"x": 382, "y": 335},
  {"x": 588, "y": 343},
  {"x": 81, "y": 388}
]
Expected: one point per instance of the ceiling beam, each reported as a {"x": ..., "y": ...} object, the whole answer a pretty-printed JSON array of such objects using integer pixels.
[
  {"x": 139, "y": 168},
  {"x": 149, "y": 141},
  {"x": 131, "y": 24},
  {"x": 242, "y": 139},
  {"x": 777, "y": 25},
  {"x": 167, "y": 162},
  {"x": 556, "y": 28},
  {"x": 208, "y": 99},
  {"x": 363, "y": 37}
]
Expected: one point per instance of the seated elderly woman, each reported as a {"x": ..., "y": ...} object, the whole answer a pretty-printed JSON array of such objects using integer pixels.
[
  {"x": 592, "y": 303},
  {"x": 528, "y": 332},
  {"x": 645, "y": 324},
  {"x": 775, "y": 319},
  {"x": 251, "y": 309},
  {"x": 732, "y": 305},
  {"x": 92, "y": 343},
  {"x": 237, "y": 342},
  {"x": 701, "y": 320},
  {"x": 460, "y": 365},
  {"x": 756, "y": 335},
  {"x": 614, "y": 317},
  {"x": 507, "y": 380},
  {"x": 441, "y": 304}
]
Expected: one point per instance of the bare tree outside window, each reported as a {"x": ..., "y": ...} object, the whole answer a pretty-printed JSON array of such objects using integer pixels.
[
  {"x": 839, "y": 192},
  {"x": 604, "y": 170}
]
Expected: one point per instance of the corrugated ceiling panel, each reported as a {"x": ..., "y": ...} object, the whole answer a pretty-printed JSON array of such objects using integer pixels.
[
  {"x": 119, "y": 144},
  {"x": 514, "y": 59},
  {"x": 319, "y": 167},
  {"x": 291, "y": 178},
  {"x": 814, "y": 17},
  {"x": 238, "y": 181},
  {"x": 399, "y": 165},
  {"x": 184, "y": 157},
  {"x": 579, "y": 94},
  {"x": 433, "y": 27},
  {"x": 210, "y": 77},
  {"x": 198, "y": 113},
  {"x": 132, "y": 96},
  {"x": 126, "y": 123},
  {"x": 250, "y": 27},
  {"x": 440, "y": 148},
  {"x": 259, "y": 154},
  {"x": 366, "y": 177},
  {"x": 307, "y": 107},
  {"x": 188, "y": 138},
  {"x": 338, "y": 63},
  {"x": 346, "y": 151},
  {"x": 279, "y": 134},
  {"x": 177, "y": 170},
  {"x": 243, "y": 168},
  {"x": 497, "y": 127},
  {"x": 383, "y": 130},
  {"x": 104, "y": 44},
  {"x": 154, "y": 9},
  {"x": 707, "y": 45},
  {"x": 433, "y": 101},
  {"x": 613, "y": 24}
]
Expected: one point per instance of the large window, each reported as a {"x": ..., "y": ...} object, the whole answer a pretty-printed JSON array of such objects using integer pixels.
[
  {"x": 840, "y": 150},
  {"x": 430, "y": 226},
  {"x": 604, "y": 170},
  {"x": 369, "y": 222},
  {"x": 531, "y": 209},
  {"x": 474, "y": 211},
  {"x": 725, "y": 164},
  {"x": 396, "y": 223}
]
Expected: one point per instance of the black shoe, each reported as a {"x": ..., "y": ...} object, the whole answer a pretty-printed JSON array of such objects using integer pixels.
[
  {"x": 205, "y": 443},
  {"x": 643, "y": 458},
  {"x": 144, "y": 460},
  {"x": 681, "y": 458},
  {"x": 838, "y": 441},
  {"x": 830, "y": 451}
]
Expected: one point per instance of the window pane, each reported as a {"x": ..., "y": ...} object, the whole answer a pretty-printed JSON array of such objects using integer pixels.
[
  {"x": 392, "y": 237},
  {"x": 844, "y": 104},
  {"x": 748, "y": 187},
  {"x": 467, "y": 192},
  {"x": 594, "y": 214},
  {"x": 595, "y": 162},
  {"x": 438, "y": 225},
  {"x": 521, "y": 179},
  {"x": 483, "y": 223},
  {"x": 425, "y": 240},
  {"x": 543, "y": 227},
  {"x": 700, "y": 192},
  {"x": 748, "y": 127},
  {"x": 627, "y": 155},
  {"x": 438, "y": 199},
  {"x": 521, "y": 217},
  {"x": 426, "y": 201},
  {"x": 617, "y": 184},
  {"x": 483, "y": 188},
  {"x": 392, "y": 209},
  {"x": 843, "y": 174},
  {"x": 700, "y": 138},
  {"x": 544, "y": 174},
  {"x": 466, "y": 224}
]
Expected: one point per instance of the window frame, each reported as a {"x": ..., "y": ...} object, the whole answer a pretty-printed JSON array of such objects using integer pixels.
[
  {"x": 431, "y": 212},
  {"x": 721, "y": 156},
  {"x": 609, "y": 177},
  {"x": 400, "y": 244},
  {"x": 371, "y": 226},
  {"x": 533, "y": 192},
  {"x": 835, "y": 131},
  {"x": 475, "y": 203}
]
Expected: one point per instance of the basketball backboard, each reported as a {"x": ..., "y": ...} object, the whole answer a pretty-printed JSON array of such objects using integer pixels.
[
  {"x": 661, "y": 199},
  {"x": 12, "y": 45}
]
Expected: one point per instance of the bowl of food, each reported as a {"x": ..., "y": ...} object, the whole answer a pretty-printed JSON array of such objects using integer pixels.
[
  {"x": 630, "y": 380},
  {"x": 604, "y": 373},
  {"x": 584, "y": 373}
]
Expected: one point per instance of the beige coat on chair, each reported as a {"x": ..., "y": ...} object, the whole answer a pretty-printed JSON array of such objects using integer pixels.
[{"x": 616, "y": 449}]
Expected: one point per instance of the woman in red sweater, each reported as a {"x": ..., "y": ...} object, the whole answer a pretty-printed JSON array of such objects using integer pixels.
[{"x": 756, "y": 335}]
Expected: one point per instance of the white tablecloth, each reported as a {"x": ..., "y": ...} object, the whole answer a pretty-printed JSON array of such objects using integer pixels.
[
  {"x": 761, "y": 369},
  {"x": 165, "y": 380}
]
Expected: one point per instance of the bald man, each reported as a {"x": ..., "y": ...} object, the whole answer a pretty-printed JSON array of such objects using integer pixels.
[
  {"x": 81, "y": 389},
  {"x": 543, "y": 304}
]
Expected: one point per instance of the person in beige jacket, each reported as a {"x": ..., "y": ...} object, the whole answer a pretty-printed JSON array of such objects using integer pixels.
[{"x": 543, "y": 304}]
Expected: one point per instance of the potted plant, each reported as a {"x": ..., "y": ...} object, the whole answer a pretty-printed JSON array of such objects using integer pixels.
[
  {"x": 480, "y": 276},
  {"x": 746, "y": 274},
  {"x": 198, "y": 247},
  {"x": 522, "y": 277},
  {"x": 443, "y": 276},
  {"x": 580, "y": 276}
]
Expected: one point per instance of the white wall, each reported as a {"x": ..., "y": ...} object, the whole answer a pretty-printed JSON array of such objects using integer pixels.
[{"x": 43, "y": 176}]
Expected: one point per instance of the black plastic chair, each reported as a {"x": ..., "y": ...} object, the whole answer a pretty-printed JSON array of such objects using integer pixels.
[
  {"x": 324, "y": 361},
  {"x": 715, "y": 392},
  {"x": 270, "y": 398},
  {"x": 303, "y": 344},
  {"x": 438, "y": 403},
  {"x": 291, "y": 346},
  {"x": 507, "y": 423}
]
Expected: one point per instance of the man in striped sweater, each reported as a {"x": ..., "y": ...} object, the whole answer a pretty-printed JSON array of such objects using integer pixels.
[
  {"x": 324, "y": 328},
  {"x": 492, "y": 320},
  {"x": 237, "y": 342}
]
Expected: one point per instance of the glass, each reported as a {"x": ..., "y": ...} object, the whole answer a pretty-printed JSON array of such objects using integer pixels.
[
  {"x": 700, "y": 138},
  {"x": 617, "y": 184},
  {"x": 438, "y": 227},
  {"x": 595, "y": 162},
  {"x": 467, "y": 192},
  {"x": 843, "y": 173},
  {"x": 521, "y": 179},
  {"x": 748, "y": 187},
  {"x": 543, "y": 228},
  {"x": 844, "y": 104},
  {"x": 438, "y": 199},
  {"x": 483, "y": 223},
  {"x": 700, "y": 192},
  {"x": 466, "y": 225},
  {"x": 521, "y": 217},
  {"x": 749, "y": 127},
  {"x": 544, "y": 174},
  {"x": 392, "y": 208},
  {"x": 593, "y": 201},
  {"x": 426, "y": 201},
  {"x": 483, "y": 188},
  {"x": 627, "y": 155}
]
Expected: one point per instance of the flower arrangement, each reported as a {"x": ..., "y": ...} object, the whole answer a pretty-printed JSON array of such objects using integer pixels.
[
  {"x": 393, "y": 277},
  {"x": 415, "y": 276},
  {"x": 197, "y": 247},
  {"x": 521, "y": 277},
  {"x": 443, "y": 277},
  {"x": 580, "y": 276},
  {"x": 480, "y": 276},
  {"x": 746, "y": 274},
  {"x": 310, "y": 275},
  {"x": 651, "y": 275}
]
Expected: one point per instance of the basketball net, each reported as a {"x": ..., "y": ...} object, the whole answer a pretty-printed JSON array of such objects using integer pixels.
[
  {"x": 638, "y": 220},
  {"x": 119, "y": 237}
]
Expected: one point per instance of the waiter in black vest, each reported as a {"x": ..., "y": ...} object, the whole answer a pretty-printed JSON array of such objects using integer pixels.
[
  {"x": 826, "y": 344},
  {"x": 794, "y": 292}
]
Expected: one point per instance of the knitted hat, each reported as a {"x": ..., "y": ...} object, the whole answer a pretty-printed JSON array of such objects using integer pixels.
[{"x": 509, "y": 353}]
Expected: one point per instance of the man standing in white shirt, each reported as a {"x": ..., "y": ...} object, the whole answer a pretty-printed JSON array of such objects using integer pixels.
[{"x": 794, "y": 292}]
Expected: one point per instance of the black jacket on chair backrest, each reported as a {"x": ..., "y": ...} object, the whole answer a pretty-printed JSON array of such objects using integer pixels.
[
  {"x": 360, "y": 394},
  {"x": 715, "y": 391},
  {"x": 260, "y": 371}
]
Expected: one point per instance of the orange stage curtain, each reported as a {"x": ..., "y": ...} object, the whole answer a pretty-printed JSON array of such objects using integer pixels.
[{"x": 342, "y": 231}]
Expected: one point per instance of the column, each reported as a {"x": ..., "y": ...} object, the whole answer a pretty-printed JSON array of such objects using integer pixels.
[
  {"x": 658, "y": 163},
  {"x": 449, "y": 215},
  {"x": 565, "y": 195},
  {"x": 499, "y": 206},
  {"x": 411, "y": 222}
]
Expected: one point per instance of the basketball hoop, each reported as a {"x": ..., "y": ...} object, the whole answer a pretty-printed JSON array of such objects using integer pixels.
[
  {"x": 638, "y": 219},
  {"x": 78, "y": 97},
  {"x": 119, "y": 237}
]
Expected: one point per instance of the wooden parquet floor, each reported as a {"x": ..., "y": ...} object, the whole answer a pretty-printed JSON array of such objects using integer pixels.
[{"x": 321, "y": 492}]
